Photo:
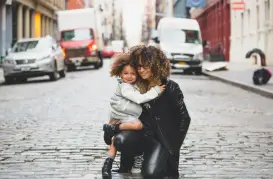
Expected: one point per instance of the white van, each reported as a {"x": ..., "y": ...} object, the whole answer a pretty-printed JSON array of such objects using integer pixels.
[{"x": 181, "y": 41}]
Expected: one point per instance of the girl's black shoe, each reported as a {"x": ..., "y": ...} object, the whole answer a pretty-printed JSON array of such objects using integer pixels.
[
  {"x": 109, "y": 131},
  {"x": 106, "y": 169}
]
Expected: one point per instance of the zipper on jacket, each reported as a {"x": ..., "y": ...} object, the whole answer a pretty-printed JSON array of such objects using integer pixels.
[{"x": 171, "y": 152}]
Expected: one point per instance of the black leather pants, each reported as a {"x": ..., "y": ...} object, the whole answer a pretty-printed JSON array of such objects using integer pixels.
[{"x": 156, "y": 157}]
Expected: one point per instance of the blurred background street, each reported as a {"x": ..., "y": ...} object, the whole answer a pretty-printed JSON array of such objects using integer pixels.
[{"x": 55, "y": 57}]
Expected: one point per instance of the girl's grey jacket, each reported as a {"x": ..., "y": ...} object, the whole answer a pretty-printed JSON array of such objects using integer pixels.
[{"x": 125, "y": 104}]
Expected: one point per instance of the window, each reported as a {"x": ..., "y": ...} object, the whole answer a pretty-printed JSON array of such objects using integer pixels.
[
  {"x": 24, "y": 46},
  {"x": 258, "y": 17},
  {"x": 242, "y": 24},
  {"x": 192, "y": 36},
  {"x": 267, "y": 10},
  {"x": 248, "y": 20},
  {"x": 242, "y": 29},
  {"x": 173, "y": 35},
  {"x": 77, "y": 34}
]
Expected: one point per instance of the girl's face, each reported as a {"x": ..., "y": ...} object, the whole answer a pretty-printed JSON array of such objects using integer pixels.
[
  {"x": 144, "y": 71},
  {"x": 128, "y": 74}
]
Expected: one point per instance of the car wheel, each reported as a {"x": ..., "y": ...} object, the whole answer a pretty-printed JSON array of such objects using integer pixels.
[
  {"x": 22, "y": 79},
  {"x": 62, "y": 73},
  {"x": 198, "y": 71},
  {"x": 54, "y": 75},
  {"x": 71, "y": 67},
  {"x": 97, "y": 66},
  {"x": 9, "y": 80},
  {"x": 101, "y": 63},
  {"x": 101, "y": 60}
]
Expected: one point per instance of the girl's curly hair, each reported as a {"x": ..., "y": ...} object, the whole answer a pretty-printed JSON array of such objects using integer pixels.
[
  {"x": 152, "y": 57},
  {"x": 120, "y": 61}
]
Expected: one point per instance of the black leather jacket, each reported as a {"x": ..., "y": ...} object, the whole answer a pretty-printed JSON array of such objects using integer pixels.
[{"x": 168, "y": 118}]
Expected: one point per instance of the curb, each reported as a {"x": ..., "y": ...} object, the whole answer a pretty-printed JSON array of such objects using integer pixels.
[{"x": 254, "y": 89}]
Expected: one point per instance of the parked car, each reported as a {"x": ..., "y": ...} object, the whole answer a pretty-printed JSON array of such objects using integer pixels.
[
  {"x": 34, "y": 57},
  {"x": 108, "y": 52}
]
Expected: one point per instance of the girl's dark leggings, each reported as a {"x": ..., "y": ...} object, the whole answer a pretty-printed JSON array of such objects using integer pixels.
[{"x": 155, "y": 164}]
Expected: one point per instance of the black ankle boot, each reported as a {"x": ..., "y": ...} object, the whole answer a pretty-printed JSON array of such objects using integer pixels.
[
  {"x": 126, "y": 164},
  {"x": 106, "y": 169}
]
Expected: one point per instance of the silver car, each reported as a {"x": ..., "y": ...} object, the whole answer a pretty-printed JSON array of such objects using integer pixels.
[{"x": 34, "y": 57}]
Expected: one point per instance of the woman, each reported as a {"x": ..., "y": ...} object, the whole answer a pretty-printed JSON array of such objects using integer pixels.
[{"x": 165, "y": 119}]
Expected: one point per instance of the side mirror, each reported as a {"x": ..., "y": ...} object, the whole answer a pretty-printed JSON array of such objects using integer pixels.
[
  {"x": 204, "y": 43},
  {"x": 8, "y": 51},
  {"x": 54, "y": 46},
  {"x": 156, "y": 40}
]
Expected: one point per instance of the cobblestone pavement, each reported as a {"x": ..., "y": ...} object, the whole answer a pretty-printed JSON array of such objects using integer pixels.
[{"x": 53, "y": 129}]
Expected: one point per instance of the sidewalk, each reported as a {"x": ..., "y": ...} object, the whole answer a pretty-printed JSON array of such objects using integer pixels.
[{"x": 240, "y": 75}]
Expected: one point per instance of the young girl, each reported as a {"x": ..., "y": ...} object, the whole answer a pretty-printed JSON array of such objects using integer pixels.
[{"x": 125, "y": 105}]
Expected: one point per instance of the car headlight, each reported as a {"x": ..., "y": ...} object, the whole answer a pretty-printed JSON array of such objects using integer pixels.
[
  {"x": 8, "y": 61},
  {"x": 43, "y": 58},
  {"x": 198, "y": 56}
]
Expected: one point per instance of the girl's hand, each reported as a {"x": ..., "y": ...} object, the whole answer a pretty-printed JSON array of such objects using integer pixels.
[{"x": 162, "y": 88}]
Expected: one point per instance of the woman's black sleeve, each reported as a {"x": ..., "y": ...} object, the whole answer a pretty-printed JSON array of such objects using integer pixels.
[{"x": 181, "y": 111}]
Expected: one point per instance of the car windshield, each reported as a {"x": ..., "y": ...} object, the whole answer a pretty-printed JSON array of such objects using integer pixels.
[
  {"x": 192, "y": 36},
  {"x": 181, "y": 36},
  {"x": 24, "y": 46},
  {"x": 77, "y": 34}
]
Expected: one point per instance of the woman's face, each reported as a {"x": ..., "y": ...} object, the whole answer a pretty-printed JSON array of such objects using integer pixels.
[{"x": 144, "y": 71}]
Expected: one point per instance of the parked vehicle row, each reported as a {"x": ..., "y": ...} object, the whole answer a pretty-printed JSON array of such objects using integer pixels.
[{"x": 80, "y": 44}]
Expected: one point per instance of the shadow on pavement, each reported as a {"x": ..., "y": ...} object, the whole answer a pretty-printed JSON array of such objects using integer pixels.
[
  {"x": 115, "y": 176},
  {"x": 30, "y": 81}
]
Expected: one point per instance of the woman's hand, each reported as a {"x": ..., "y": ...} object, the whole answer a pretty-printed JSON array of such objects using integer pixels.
[{"x": 162, "y": 88}]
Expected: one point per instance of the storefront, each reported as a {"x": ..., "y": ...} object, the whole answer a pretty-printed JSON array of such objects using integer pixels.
[{"x": 214, "y": 21}]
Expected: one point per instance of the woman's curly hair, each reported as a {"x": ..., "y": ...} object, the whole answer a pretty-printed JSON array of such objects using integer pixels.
[
  {"x": 153, "y": 58},
  {"x": 120, "y": 61}
]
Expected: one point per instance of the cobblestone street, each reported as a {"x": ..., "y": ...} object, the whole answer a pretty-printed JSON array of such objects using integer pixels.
[{"x": 54, "y": 129}]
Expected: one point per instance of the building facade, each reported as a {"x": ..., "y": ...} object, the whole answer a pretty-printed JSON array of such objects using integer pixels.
[
  {"x": 117, "y": 24},
  {"x": 108, "y": 19},
  {"x": 27, "y": 18},
  {"x": 160, "y": 8},
  {"x": 252, "y": 28},
  {"x": 105, "y": 8},
  {"x": 75, "y": 4},
  {"x": 214, "y": 21},
  {"x": 148, "y": 23},
  {"x": 180, "y": 9}
]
